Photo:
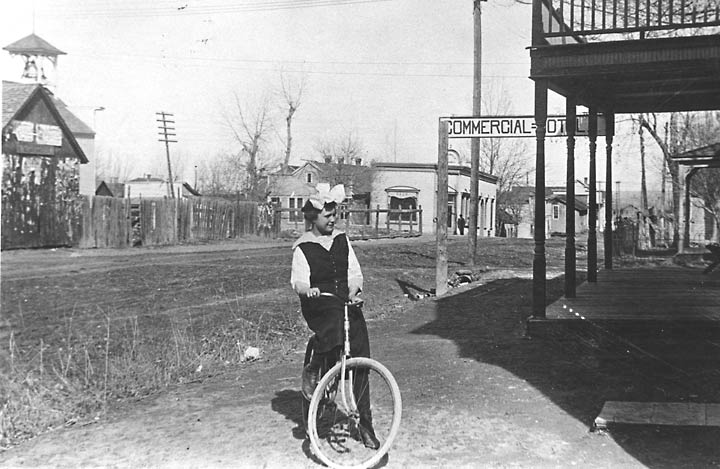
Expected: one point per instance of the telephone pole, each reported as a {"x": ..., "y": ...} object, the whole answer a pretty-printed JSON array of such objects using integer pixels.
[
  {"x": 167, "y": 131},
  {"x": 475, "y": 143}
]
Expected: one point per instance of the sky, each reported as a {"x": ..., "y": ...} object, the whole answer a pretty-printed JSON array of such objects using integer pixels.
[{"x": 383, "y": 71}]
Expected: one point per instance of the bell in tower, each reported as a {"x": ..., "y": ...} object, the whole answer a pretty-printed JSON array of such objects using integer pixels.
[{"x": 36, "y": 53}]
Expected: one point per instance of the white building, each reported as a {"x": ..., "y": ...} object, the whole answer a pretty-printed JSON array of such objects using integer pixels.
[{"x": 413, "y": 185}]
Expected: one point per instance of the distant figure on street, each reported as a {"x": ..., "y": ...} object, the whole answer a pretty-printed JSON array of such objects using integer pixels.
[{"x": 461, "y": 224}]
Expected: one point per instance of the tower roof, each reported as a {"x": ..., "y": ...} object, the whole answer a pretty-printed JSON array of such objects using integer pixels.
[{"x": 33, "y": 45}]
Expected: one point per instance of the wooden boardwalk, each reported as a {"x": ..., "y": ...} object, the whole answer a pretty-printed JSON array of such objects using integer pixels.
[
  {"x": 665, "y": 302},
  {"x": 660, "y": 294}
]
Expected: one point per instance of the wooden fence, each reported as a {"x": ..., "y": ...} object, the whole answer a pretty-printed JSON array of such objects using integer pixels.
[
  {"x": 365, "y": 222},
  {"x": 107, "y": 222}
]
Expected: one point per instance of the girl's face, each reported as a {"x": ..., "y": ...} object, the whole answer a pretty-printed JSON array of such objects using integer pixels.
[{"x": 325, "y": 223}]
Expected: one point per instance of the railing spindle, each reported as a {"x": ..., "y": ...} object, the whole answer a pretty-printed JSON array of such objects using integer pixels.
[
  {"x": 614, "y": 14},
  {"x": 625, "y": 14},
  {"x": 572, "y": 15},
  {"x": 592, "y": 15},
  {"x": 682, "y": 11},
  {"x": 561, "y": 27}
]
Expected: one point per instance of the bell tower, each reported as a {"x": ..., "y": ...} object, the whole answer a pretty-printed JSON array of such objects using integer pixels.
[{"x": 39, "y": 59}]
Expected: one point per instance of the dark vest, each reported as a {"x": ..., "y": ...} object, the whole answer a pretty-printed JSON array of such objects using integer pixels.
[{"x": 328, "y": 269}]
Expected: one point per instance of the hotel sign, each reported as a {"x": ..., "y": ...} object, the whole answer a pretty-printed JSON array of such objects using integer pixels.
[{"x": 515, "y": 126}]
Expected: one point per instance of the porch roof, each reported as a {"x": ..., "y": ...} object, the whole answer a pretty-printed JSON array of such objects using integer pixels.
[
  {"x": 703, "y": 157},
  {"x": 633, "y": 76}
]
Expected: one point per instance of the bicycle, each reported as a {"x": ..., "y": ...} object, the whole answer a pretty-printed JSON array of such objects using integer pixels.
[{"x": 332, "y": 415}]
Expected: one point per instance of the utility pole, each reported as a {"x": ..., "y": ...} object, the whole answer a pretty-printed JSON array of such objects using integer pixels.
[
  {"x": 167, "y": 131},
  {"x": 475, "y": 143},
  {"x": 441, "y": 226}
]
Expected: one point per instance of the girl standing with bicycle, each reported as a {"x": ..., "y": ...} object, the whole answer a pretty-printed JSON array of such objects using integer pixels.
[{"x": 324, "y": 262}]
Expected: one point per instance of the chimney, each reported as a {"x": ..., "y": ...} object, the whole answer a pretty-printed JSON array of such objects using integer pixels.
[
  {"x": 148, "y": 176},
  {"x": 585, "y": 180}
]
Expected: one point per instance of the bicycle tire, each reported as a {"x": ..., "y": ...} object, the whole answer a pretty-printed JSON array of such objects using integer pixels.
[{"x": 333, "y": 431}]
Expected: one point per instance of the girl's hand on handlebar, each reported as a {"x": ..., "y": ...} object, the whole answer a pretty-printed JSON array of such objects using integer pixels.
[{"x": 313, "y": 293}]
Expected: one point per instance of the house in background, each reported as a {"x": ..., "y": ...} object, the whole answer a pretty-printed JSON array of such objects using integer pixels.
[
  {"x": 292, "y": 190},
  {"x": 519, "y": 210},
  {"x": 387, "y": 186},
  {"x": 556, "y": 210},
  {"x": 147, "y": 187},
  {"x": 110, "y": 189},
  {"x": 414, "y": 185}
]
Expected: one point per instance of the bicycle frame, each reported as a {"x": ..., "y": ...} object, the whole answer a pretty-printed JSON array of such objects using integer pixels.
[{"x": 352, "y": 407}]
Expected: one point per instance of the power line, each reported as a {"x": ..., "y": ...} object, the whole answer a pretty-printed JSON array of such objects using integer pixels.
[
  {"x": 179, "y": 62},
  {"x": 189, "y": 10}
]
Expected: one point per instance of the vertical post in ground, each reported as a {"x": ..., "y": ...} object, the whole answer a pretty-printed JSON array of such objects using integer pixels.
[
  {"x": 608, "y": 233},
  {"x": 570, "y": 254},
  {"x": 441, "y": 210},
  {"x": 592, "y": 199},
  {"x": 539, "y": 262}
]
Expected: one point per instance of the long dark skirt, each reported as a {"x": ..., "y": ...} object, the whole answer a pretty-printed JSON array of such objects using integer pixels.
[{"x": 324, "y": 316}]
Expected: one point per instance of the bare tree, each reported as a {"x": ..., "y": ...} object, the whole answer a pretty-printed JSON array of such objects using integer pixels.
[
  {"x": 221, "y": 175},
  {"x": 345, "y": 155},
  {"x": 112, "y": 167},
  {"x": 346, "y": 148},
  {"x": 685, "y": 131},
  {"x": 508, "y": 159},
  {"x": 292, "y": 91},
  {"x": 249, "y": 126}
]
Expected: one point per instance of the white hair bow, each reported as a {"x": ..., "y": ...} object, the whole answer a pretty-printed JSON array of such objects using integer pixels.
[{"x": 326, "y": 195}]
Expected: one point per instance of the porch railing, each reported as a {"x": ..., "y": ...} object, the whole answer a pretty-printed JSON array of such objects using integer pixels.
[{"x": 578, "y": 18}]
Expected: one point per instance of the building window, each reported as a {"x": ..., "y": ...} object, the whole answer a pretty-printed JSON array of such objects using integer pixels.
[
  {"x": 406, "y": 203},
  {"x": 556, "y": 211},
  {"x": 309, "y": 178},
  {"x": 295, "y": 203}
]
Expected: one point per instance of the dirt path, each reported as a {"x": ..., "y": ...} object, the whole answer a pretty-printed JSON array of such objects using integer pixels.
[
  {"x": 475, "y": 393},
  {"x": 458, "y": 412}
]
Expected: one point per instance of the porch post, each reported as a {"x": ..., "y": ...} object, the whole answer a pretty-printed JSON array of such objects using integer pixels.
[
  {"x": 608, "y": 233},
  {"x": 570, "y": 254},
  {"x": 539, "y": 264},
  {"x": 592, "y": 198},
  {"x": 685, "y": 241}
]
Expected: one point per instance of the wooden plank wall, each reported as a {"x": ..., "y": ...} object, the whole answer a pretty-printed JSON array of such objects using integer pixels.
[{"x": 107, "y": 222}]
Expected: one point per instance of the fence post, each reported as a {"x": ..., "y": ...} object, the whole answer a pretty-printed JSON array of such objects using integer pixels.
[
  {"x": 387, "y": 219},
  {"x": 377, "y": 222},
  {"x": 420, "y": 223}
]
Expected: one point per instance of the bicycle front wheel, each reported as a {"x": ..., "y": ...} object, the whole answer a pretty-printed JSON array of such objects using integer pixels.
[{"x": 333, "y": 422}]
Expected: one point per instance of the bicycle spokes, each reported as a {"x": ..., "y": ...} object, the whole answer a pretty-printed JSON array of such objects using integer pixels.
[{"x": 369, "y": 397}]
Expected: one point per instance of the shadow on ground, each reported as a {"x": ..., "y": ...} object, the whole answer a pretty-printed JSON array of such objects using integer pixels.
[{"x": 578, "y": 373}]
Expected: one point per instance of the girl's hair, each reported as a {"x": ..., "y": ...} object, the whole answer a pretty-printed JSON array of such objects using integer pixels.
[{"x": 310, "y": 213}]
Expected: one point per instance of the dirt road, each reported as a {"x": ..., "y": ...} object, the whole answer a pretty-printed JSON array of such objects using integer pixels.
[{"x": 475, "y": 392}]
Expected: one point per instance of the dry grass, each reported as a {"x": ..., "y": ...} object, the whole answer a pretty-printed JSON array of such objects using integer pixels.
[{"x": 97, "y": 331}]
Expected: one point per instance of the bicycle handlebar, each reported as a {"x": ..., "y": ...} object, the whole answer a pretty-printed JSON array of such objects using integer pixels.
[{"x": 344, "y": 300}]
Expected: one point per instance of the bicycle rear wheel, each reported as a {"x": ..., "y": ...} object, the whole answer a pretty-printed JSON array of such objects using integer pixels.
[{"x": 333, "y": 427}]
